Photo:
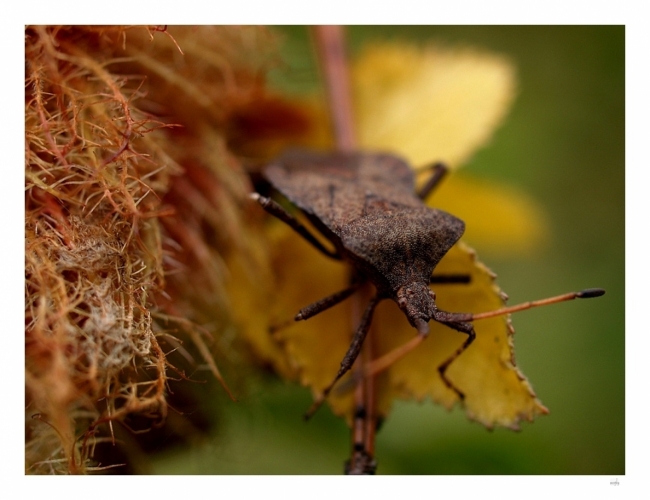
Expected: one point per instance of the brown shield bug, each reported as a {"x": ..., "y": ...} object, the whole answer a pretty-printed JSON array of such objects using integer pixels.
[{"x": 366, "y": 205}]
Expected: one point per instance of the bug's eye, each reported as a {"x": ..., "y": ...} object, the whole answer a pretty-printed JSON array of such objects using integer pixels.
[{"x": 402, "y": 302}]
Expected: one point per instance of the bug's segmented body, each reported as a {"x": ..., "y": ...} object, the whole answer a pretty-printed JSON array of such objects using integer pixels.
[{"x": 364, "y": 203}]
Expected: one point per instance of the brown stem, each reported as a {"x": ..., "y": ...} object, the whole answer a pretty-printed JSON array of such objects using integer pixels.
[{"x": 330, "y": 43}]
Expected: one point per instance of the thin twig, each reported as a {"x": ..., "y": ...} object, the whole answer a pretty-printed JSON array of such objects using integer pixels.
[{"x": 330, "y": 43}]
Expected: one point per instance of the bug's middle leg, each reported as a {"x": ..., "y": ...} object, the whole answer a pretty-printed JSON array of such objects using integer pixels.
[
  {"x": 317, "y": 307},
  {"x": 450, "y": 279},
  {"x": 326, "y": 302}
]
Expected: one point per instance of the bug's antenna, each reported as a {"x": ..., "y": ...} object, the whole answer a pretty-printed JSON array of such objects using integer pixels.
[
  {"x": 382, "y": 363},
  {"x": 583, "y": 294}
]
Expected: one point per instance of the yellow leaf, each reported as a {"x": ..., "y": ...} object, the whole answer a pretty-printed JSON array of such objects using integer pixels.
[
  {"x": 496, "y": 393},
  {"x": 432, "y": 103},
  {"x": 499, "y": 219},
  {"x": 250, "y": 294}
]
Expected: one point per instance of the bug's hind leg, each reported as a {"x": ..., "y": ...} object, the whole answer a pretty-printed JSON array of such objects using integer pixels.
[
  {"x": 276, "y": 210},
  {"x": 439, "y": 172}
]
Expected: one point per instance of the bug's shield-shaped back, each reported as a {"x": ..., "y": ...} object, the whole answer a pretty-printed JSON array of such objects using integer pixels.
[
  {"x": 333, "y": 187},
  {"x": 365, "y": 203}
]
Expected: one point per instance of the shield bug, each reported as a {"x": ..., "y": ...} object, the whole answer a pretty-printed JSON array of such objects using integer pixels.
[{"x": 366, "y": 206}]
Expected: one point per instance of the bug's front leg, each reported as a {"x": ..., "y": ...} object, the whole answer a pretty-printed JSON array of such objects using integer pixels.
[
  {"x": 457, "y": 321},
  {"x": 276, "y": 210},
  {"x": 351, "y": 355}
]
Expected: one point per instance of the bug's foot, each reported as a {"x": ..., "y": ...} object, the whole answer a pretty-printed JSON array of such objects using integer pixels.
[{"x": 315, "y": 406}]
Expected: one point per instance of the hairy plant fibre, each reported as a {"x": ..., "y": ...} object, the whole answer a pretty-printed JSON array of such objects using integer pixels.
[{"x": 132, "y": 200}]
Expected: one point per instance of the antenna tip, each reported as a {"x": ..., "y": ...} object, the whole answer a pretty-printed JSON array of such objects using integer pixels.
[{"x": 590, "y": 293}]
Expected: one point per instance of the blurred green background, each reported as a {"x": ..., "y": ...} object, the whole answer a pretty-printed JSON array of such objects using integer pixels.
[{"x": 563, "y": 143}]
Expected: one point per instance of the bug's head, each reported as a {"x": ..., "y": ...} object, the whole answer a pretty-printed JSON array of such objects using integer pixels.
[{"x": 418, "y": 302}]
